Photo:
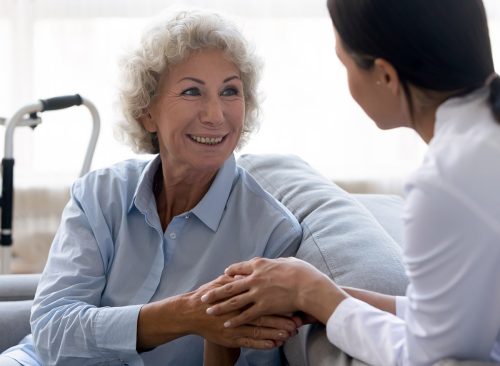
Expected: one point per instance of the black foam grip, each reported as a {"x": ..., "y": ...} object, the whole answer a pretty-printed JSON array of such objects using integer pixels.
[
  {"x": 62, "y": 102},
  {"x": 7, "y": 198}
]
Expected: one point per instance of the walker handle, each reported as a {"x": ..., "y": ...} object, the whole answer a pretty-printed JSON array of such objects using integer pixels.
[
  {"x": 7, "y": 200},
  {"x": 65, "y": 101}
]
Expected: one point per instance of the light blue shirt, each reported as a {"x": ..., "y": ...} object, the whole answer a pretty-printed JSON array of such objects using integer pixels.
[{"x": 110, "y": 256}]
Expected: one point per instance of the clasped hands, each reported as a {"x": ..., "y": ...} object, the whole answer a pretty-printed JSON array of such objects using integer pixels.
[
  {"x": 260, "y": 291},
  {"x": 260, "y": 332},
  {"x": 253, "y": 305}
]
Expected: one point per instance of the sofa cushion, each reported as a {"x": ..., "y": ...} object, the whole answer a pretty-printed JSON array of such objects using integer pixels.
[{"x": 341, "y": 237}]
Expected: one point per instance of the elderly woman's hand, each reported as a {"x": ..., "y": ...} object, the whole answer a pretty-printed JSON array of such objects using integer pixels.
[
  {"x": 274, "y": 286},
  {"x": 165, "y": 320}
]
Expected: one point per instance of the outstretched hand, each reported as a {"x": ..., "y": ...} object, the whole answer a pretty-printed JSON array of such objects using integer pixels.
[{"x": 268, "y": 286}]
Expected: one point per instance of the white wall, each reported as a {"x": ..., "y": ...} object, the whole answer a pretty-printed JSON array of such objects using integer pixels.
[{"x": 57, "y": 47}]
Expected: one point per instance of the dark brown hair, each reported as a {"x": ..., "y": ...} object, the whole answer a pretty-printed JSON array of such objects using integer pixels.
[{"x": 440, "y": 45}]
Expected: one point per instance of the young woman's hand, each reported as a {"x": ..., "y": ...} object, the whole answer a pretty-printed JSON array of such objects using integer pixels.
[{"x": 274, "y": 286}]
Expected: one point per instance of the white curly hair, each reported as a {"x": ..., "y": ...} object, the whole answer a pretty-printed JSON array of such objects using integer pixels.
[{"x": 169, "y": 42}]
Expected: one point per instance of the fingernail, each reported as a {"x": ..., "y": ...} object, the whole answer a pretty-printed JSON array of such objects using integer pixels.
[
  {"x": 227, "y": 324},
  {"x": 282, "y": 335},
  {"x": 226, "y": 270},
  {"x": 210, "y": 311},
  {"x": 204, "y": 298}
]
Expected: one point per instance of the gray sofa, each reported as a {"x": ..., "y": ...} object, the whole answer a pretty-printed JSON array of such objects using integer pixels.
[
  {"x": 355, "y": 239},
  {"x": 16, "y": 295}
]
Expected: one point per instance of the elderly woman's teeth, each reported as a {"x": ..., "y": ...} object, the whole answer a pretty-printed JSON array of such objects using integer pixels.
[{"x": 206, "y": 140}]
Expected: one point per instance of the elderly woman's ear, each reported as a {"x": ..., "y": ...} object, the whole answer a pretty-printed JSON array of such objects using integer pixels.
[{"x": 147, "y": 121}]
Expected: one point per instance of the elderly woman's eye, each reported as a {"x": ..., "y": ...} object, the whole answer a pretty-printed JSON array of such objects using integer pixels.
[
  {"x": 229, "y": 92},
  {"x": 191, "y": 92}
]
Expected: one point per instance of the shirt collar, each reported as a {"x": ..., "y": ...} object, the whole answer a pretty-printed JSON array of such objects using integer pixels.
[
  {"x": 144, "y": 191},
  {"x": 211, "y": 207},
  {"x": 460, "y": 108}
]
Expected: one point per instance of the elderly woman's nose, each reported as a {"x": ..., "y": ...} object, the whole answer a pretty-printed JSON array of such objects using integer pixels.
[{"x": 212, "y": 112}]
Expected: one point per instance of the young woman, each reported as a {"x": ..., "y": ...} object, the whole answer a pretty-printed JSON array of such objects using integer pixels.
[{"x": 426, "y": 65}]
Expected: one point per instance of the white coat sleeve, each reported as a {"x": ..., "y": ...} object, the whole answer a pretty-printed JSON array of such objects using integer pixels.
[{"x": 451, "y": 256}]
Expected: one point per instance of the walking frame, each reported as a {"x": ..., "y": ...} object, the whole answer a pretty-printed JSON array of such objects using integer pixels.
[{"x": 28, "y": 116}]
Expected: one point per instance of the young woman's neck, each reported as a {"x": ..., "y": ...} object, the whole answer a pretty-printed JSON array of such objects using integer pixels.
[
  {"x": 425, "y": 105},
  {"x": 424, "y": 124}
]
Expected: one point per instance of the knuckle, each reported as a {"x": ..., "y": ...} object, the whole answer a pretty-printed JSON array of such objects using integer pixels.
[
  {"x": 288, "y": 325},
  {"x": 233, "y": 303},
  {"x": 260, "y": 321},
  {"x": 221, "y": 279},
  {"x": 259, "y": 260}
]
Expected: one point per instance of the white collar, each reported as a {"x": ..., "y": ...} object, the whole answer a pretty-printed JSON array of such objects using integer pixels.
[{"x": 460, "y": 108}]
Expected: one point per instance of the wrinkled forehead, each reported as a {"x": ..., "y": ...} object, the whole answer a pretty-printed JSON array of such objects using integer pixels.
[
  {"x": 189, "y": 53},
  {"x": 208, "y": 61}
]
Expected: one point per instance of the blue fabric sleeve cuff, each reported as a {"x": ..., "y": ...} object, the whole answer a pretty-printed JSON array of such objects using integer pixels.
[{"x": 115, "y": 329}]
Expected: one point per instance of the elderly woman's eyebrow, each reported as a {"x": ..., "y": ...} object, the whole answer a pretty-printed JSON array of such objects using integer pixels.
[
  {"x": 192, "y": 79},
  {"x": 196, "y": 80},
  {"x": 231, "y": 78}
]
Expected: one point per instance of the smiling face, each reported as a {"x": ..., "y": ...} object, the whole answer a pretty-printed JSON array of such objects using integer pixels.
[{"x": 198, "y": 112}]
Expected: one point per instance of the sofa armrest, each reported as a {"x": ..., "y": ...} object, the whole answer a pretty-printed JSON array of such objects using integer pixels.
[
  {"x": 16, "y": 297},
  {"x": 14, "y": 322},
  {"x": 18, "y": 287}
]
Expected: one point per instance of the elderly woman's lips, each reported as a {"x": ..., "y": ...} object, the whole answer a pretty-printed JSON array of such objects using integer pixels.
[{"x": 206, "y": 139}]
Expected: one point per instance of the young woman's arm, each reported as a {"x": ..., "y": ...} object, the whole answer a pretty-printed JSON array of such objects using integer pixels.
[
  {"x": 381, "y": 301},
  {"x": 275, "y": 286}
]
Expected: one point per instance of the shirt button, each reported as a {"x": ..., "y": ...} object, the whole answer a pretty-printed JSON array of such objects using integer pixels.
[{"x": 173, "y": 236}]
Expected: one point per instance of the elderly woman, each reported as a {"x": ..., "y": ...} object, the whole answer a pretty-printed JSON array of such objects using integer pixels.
[{"x": 136, "y": 241}]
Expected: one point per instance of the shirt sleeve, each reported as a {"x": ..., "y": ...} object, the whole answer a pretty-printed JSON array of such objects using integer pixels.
[
  {"x": 449, "y": 311},
  {"x": 366, "y": 333},
  {"x": 401, "y": 306},
  {"x": 284, "y": 240},
  {"x": 67, "y": 321}
]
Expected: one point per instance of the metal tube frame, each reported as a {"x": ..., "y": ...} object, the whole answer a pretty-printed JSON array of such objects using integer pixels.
[{"x": 17, "y": 120}]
